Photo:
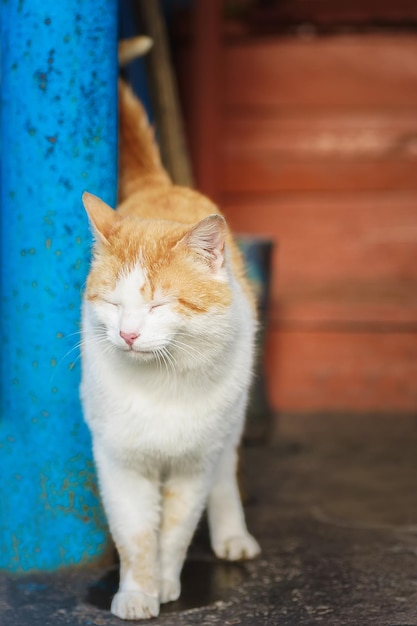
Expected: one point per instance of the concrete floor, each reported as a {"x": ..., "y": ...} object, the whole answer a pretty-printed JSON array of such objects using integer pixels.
[{"x": 334, "y": 506}]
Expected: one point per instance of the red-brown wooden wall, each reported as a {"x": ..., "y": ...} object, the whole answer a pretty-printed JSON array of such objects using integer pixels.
[{"x": 316, "y": 147}]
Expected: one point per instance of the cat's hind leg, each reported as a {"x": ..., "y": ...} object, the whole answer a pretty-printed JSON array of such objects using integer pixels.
[
  {"x": 132, "y": 504},
  {"x": 229, "y": 535}
]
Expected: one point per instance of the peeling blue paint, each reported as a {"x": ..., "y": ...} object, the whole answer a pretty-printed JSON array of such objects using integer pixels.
[{"x": 58, "y": 126}]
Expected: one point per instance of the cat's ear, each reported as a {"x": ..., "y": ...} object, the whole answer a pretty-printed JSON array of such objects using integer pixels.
[
  {"x": 102, "y": 217},
  {"x": 207, "y": 238}
]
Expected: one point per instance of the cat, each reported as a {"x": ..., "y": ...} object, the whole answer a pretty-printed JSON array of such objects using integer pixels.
[{"x": 168, "y": 330}]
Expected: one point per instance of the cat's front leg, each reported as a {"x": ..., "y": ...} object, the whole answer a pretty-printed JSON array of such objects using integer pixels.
[
  {"x": 183, "y": 500},
  {"x": 138, "y": 594},
  {"x": 132, "y": 504}
]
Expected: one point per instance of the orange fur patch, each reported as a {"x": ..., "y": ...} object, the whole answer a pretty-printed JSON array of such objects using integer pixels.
[
  {"x": 184, "y": 206},
  {"x": 141, "y": 561},
  {"x": 176, "y": 271},
  {"x": 174, "y": 509}
]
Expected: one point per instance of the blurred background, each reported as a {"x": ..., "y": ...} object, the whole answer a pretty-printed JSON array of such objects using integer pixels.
[{"x": 301, "y": 119}]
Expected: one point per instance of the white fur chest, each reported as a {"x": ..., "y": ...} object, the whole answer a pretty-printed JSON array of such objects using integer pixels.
[{"x": 148, "y": 411}]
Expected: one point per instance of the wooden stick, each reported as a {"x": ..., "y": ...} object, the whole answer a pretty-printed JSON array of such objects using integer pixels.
[
  {"x": 164, "y": 95},
  {"x": 205, "y": 112}
]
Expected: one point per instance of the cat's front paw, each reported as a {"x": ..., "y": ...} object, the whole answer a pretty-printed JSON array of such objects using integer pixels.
[
  {"x": 134, "y": 605},
  {"x": 170, "y": 590},
  {"x": 237, "y": 548}
]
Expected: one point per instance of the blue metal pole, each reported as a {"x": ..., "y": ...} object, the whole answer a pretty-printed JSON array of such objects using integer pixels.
[{"x": 58, "y": 138}]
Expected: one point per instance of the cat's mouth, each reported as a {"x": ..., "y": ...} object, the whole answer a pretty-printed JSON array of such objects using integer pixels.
[{"x": 138, "y": 352}]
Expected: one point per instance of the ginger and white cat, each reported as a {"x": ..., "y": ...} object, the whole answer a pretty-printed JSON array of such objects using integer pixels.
[{"x": 168, "y": 331}]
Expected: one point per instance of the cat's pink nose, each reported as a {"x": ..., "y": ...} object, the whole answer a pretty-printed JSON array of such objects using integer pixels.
[{"x": 129, "y": 337}]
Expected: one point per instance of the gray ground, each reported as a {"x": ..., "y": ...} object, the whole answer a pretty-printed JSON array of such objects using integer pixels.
[{"x": 334, "y": 506}]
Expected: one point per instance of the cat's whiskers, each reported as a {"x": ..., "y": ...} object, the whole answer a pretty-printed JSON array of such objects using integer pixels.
[
  {"x": 158, "y": 359},
  {"x": 103, "y": 352},
  {"x": 169, "y": 359},
  {"x": 197, "y": 356},
  {"x": 70, "y": 351},
  {"x": 76, "y": 346},
  {"x": 189, "y": 339},
  {"x": 96, "y": 339},
  {"x": 163, "y": 358},
  {"x": 163, "y": 361}
]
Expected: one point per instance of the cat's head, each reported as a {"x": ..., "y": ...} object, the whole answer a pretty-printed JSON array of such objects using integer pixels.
[{"x": 155, "y": 286}]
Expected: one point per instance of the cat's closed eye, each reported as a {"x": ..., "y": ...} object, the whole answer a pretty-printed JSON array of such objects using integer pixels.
[{"x": 156, "y": 305}]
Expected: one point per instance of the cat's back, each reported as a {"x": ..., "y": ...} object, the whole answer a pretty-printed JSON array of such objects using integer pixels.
[{"x": 167, "y": 202}]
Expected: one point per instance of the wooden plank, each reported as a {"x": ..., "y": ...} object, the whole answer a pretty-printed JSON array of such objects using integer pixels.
[
  {"x": 344, "y": 71},
  {"x": 393, "y": 309},
  {"x": 266, "y": 173},
  {"x": 273, "y": 16},
  {"x": 342, "y": 372},
  {"x": 354, "y": 248},
  {"x": 320, "y": 151},
  {"x": 342, "y": 134}
]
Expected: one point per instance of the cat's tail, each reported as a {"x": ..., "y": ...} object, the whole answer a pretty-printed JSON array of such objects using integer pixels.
[
  {"x": 133, "y": 47},
  {"x": 139, "y": 158}
]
